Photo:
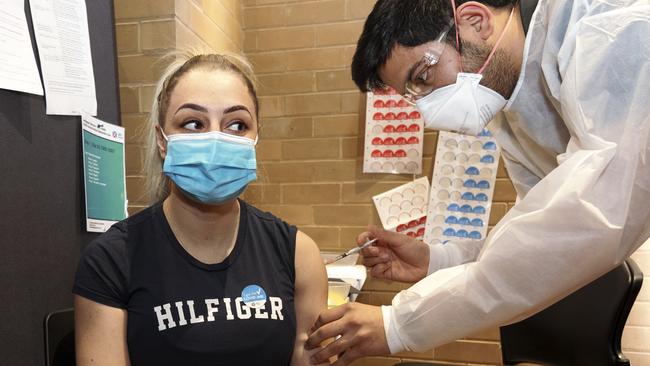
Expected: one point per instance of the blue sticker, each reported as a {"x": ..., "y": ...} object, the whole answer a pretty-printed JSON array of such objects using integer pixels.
[
  {"x": 449, "y": 232},
  {"x": 479, "y": 210},
  {"x": 475, "y": 235},
  {"x": 453, "y": 207},
  {"x": 490, "y": 146},
  {"x": 484, "y": 184},
  {"x": 472, "y": 171},
  {"x": 463, "y": 221},
  {"x": 451, "y": 220},
  {"x": 466, "y": 209},
  {"x": 477, "y": 222},
  {"x": 485, "y": 133},
  {"x": 487, "y": 159},
  {"x": 461, "y": 233},
  {"x": 470, "y": 183},
  {"x": 253, "y": 296},
  {"x": 481, "y": 197},
  {"x": 468, "y": 196}
]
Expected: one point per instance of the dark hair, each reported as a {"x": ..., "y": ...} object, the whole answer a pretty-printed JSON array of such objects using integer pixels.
[{"x": 409, "y": 23}]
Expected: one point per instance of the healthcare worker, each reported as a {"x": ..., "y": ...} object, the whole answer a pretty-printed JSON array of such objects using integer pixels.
[{"x": 566, "y": 85}]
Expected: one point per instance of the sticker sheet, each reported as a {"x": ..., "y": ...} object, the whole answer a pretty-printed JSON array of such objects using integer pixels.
[
  {"x": 394, "y": 135},
  {"x": 462, "y": 187},
  {"x": 403, "y": 209}
]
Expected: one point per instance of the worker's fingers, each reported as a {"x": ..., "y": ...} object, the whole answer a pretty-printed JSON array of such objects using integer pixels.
[
  {"x": 387, "y": 238},
  {"x": 374, "y": 260},
  {"x": 328, "y": 316},
  {"x": 333, "y": 349},
  {"x": 363, "y": 238},
  {"x": 381, "y": 270}
]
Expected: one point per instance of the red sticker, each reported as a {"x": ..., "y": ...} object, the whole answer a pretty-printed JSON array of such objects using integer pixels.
[
  {"x": 400, "y": 154},
  {"x": 377, "y": 141},
  {"x": 401, "y": 128},
  {"x": 411, "y": 234},
  {"x": 376, "y": 154},
  {"x": 422, "y": 221},
  {"x": 379, "y": 104},
  {"x": 387, "y": 154},
  {"x": 400, "y": 141},
  {"x": 390, "y": 116},
  {"x": 421, "y": 231},
  {"x": 401, "y": 228},
  {"x": 402, "y": 103},
  {"x": 402, "y": 116},
  {"x": 414, "y": 128},
  {"x": 414, "y": 140},
  {"x": 389, "y": 141},
  {"x": 378, "y": 116},
  {"x": 389, "y": 129},
  {"x": 391, "y": 104},
  {"x": 414, "y": 115}
]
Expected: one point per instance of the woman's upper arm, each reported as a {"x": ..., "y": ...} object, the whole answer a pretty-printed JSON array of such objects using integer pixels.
[
  {"x": 100, "y": 334},
  {"x": 310, "y": 293}
]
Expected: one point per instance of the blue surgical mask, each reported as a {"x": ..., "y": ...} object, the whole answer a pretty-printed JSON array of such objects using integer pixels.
[{"x": 210, "y": 167}]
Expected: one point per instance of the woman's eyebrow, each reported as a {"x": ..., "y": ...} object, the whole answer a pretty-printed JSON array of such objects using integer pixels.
[
  {"x": 236, "y": 108},
  {"x": 192, "y": 106}
]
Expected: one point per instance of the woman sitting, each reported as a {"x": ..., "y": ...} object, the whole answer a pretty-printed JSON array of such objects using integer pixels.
[{"x": 200, "y": 277}]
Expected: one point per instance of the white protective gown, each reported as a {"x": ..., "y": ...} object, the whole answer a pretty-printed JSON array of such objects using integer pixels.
[{"x": 575, "y": 137}]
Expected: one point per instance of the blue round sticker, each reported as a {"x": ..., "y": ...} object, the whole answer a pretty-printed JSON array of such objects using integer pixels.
[{"x": 253, "y": 296}]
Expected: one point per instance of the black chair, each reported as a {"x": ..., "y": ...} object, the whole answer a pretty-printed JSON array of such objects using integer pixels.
[
  {"x": 585, "y": 328},
  {"x": 59, "y": 338}
]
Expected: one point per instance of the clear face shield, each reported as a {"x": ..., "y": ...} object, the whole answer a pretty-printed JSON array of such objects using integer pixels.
[{"x": 418, "y": 85}]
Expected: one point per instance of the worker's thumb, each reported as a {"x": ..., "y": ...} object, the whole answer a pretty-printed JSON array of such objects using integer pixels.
[{"x": 387, "y": 238}]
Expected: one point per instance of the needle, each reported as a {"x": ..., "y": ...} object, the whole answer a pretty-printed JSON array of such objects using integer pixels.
[{"x": 351, "y": 251}]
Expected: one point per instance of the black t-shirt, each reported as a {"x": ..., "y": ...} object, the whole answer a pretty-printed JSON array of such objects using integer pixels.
[{"x": 185, "y": 312}]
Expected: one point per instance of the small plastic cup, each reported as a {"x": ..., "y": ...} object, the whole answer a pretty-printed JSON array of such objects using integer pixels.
[{"x": 337, "y": 294}]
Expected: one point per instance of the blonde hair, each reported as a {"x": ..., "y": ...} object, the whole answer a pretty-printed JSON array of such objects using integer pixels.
[{"x": 156, "y": 183}]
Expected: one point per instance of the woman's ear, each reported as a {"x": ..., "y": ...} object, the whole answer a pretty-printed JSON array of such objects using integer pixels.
[
  {"x": 475, "y": 22},
  {"x": 161, "y": 142}
]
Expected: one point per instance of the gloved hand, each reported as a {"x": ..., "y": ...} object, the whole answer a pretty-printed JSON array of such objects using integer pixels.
[{"x": 394, "y": 256}]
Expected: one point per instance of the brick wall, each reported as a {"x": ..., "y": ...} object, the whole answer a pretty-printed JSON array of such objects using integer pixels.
[{"x": 312, "y": 121}]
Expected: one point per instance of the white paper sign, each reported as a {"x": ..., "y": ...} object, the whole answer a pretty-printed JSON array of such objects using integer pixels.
[
  {"x": 18, "y": 70},
  {"x": 61, "y": 29}
]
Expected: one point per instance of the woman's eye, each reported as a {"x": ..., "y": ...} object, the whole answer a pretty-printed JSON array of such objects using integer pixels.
[
  {"x": 237, "y": 127},
  {"x": 193, "y": 125}
]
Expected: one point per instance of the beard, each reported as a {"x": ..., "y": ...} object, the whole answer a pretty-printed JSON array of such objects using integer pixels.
[{"x": 500, "y": 75}]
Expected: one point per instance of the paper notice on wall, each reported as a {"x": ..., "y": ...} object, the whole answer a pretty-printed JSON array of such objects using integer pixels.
[
  {"x": 403, "y": 209},
  {"x": 18, "y": 70},
  {"x": 394, "y": 135},
  {"x": 104, "y": 173},
  {"x": 462, "y": 187},
  {"x": 62, "y": 37}
]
